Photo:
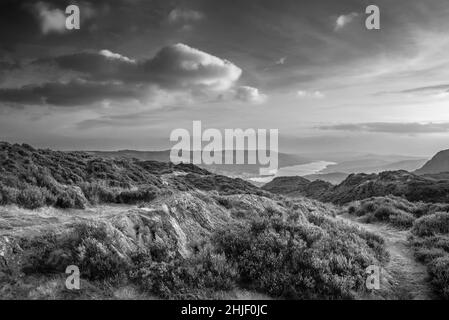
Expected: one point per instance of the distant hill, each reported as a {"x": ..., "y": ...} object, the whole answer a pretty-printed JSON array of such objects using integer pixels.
[
  {"x": 439, "y": 163},
  {"x": 362, "y": 186},
  {"x": 297, "y": 186},
  {"x": 287, "y": 185},
  {"x": 333, "y": 177},
  {"x": 374, "y": 165},
  {"x": 398, "y": 183},
  {"x": 407, "y": 165}
]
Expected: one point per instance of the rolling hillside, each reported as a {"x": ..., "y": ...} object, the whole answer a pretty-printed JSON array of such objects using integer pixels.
[{"x": 146, "y": 229}]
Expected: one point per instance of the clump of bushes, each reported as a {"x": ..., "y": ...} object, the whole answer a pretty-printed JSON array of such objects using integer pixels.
[
  {"x": 91, "y": 247},
  {"x": 322, "y": 259},
  {"x": 432, "y": 225},
  {"x": 175, "y": 277},
  {"x": 158, "y": 268},
  {"x": 430, "y": 240},
  {"x": 308, "y": 258},
  {"x": 439, "y": 271},
  {"x": 34, "y": 178},
  {"x": 33, "y": 197},
  {"x": 392, "y": 210}
]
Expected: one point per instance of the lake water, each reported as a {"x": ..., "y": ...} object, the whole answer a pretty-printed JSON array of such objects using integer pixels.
[{"x": 298, "y": 170}]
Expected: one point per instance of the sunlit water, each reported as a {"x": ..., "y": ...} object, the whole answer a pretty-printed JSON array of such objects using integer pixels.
[{"x": 298, "y": 170}]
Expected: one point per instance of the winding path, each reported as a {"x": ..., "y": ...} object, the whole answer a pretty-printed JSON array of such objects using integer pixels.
[{"x": 402, "y": 277}]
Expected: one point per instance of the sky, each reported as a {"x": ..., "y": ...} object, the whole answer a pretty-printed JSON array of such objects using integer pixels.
[{"x": 138, "y": 69}]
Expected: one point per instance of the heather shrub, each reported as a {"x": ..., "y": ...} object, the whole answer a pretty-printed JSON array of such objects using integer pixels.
[
  {"x": 8, "y": 195},
  {"x": 430, "y": 225},
  {"x": 439, "y": 270},
  {"x": 88, "y": 246},
  {"x": 392, "y": 210},
  {"x": 175, "y": 277},
  {"x": 323, "y": 259},
  {"x": 145, "y": 194},
  {"x": 31, "y": 198},
  {"x": 430, "y": 240},
  {"x": 34, "y": 178},
  {"x": 97, "y": 192}
]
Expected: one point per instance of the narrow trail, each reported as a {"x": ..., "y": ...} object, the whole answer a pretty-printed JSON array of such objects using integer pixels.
[{"x": 402, "y": 277}]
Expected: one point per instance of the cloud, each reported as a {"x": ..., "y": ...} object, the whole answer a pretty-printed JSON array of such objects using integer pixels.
[
  {"x": 112, "y": 55},
  {"x": 177, "y": 71},
  {"x": 310, "y": 94},
  {"x": 74, "y": 93},
  {"x": 391, "y": 127},
  {"x": 250, "y": 94},
  {"x": 433, "y": 90},
  {"x": 96, "y": 66},
  {"x": 437, "y": 91},
  {"x": 176, "y": 66},
  {"x": 184, "y": 15},
  {"x": 344, "y": 20},
  {"x": 51, "y": 20},
  {"x": 182, "y": 66}
]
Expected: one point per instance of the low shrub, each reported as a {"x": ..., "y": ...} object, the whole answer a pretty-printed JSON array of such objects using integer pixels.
[
  {"x": 145, "y": 194},
  {"x": 439, "y": 270},
  {"x": 430, "y": 240},
  {"x": 88, "y": 246},
  {"x": 98, "y": 192},
  {"x": 392, "y": 210},
  {"x": 175, "y": 277},
  {"x": 31, "y": 198},
  {"x": 322, "y": 259},
  {"x": 433, "y": 224}
]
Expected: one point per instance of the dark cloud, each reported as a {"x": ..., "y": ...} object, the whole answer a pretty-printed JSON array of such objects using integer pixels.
[
  {"x": 7, "y": 66},
  {"x": 174, "y": 66},
  {"x": 109, "y": 75},
  {"x": 38, "y": 23},
  {"x": 98, "y": 66},
  {"x": 391, "y": 127},
  {"x": 74, "y": 93}
]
